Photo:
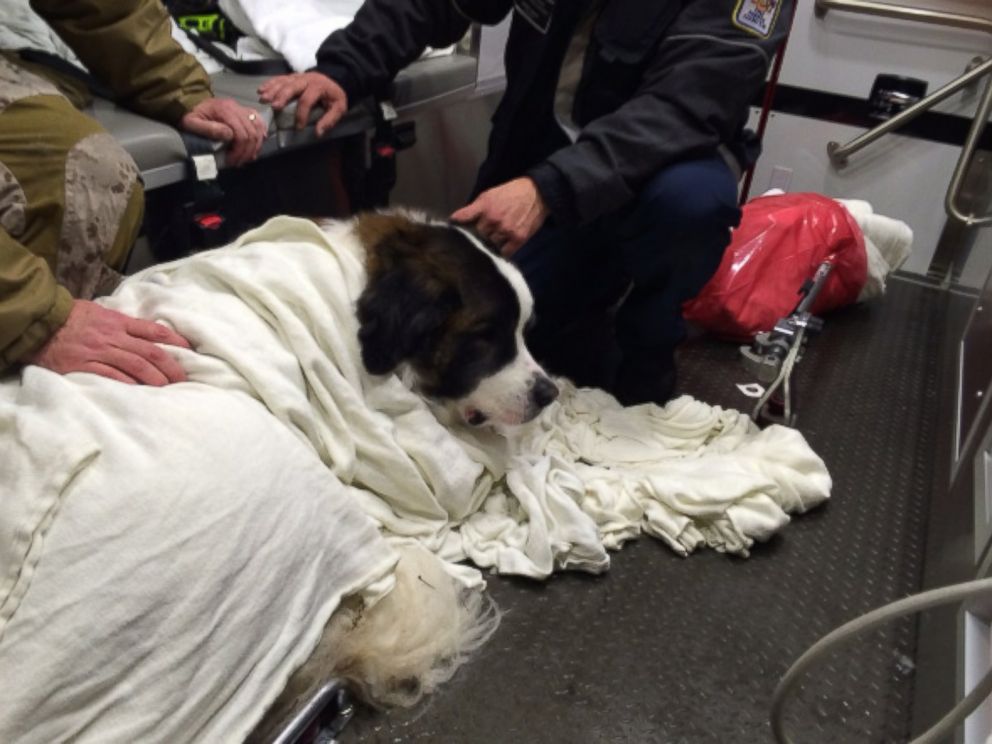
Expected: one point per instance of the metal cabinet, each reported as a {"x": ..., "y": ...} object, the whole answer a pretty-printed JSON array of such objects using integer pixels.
[
  {"x": 953, "y": 643},
  {"x": 973, "y": 433}
]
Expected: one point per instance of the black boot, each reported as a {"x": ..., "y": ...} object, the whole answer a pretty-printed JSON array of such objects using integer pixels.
[
  {"x": 645, "y": 376},
  {"x": 583, "y": 350}
]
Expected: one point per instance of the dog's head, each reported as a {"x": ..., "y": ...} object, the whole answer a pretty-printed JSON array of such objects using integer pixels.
[{"x": 438, "y": 301}]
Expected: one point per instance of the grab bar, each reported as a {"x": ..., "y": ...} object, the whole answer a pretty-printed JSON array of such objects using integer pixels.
[
  {"x": 839, "y": 153},
  {"x": 964, "y": 163},
  {"x": 905, "y": 13}
]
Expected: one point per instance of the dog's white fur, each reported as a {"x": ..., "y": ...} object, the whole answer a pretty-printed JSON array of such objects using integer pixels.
[
  {"x": 504, "y": 398},
  {"x": 398, "y": 650}
]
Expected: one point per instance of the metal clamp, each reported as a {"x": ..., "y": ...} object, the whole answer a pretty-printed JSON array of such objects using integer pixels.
[
  {"x": 328, "y": 710},
  {"x": 773, "y": 355}
]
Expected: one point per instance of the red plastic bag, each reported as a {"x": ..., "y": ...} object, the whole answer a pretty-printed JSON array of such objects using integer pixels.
[{"x": 779, "y": 245}]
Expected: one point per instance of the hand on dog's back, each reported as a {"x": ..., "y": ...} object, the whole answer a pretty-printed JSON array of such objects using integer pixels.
[{"x": 108, "y": 343}]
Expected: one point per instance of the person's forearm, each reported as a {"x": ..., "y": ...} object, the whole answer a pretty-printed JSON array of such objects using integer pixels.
[
  {"x": 387, "y": 35},
  {"x": 128, "y": 46},
  {"x": 33, "y": 307}
]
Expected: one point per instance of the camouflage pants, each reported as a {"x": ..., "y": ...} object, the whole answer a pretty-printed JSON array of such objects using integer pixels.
[{"x": 68, "y": 192}]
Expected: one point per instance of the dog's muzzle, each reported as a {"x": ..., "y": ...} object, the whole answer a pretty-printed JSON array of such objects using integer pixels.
[{"x": 543, "y": 393}]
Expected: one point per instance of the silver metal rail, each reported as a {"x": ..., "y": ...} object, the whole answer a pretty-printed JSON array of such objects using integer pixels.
[
  {"x": 331, "y": 695},
  {"x": 905, "y": 13},
  {"x": 839, "y": 154},
  {"x": 964, "y": 163}
]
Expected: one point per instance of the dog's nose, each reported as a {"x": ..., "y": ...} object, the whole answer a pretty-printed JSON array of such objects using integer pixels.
[{"x": 543, "y": 392}]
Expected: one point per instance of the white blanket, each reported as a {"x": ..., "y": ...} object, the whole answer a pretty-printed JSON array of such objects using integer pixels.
[
  {"x": 210, "y": 525},
  {"x": 168, "y": 557}
]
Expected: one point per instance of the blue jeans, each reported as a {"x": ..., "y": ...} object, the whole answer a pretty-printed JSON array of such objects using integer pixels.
[{"x": 660, "y": 250}]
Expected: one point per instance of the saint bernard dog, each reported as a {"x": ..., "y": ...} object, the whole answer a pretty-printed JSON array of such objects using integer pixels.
[{"x": 450, "y": 313}]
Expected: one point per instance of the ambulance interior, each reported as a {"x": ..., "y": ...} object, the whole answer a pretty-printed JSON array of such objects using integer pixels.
[{"x": 884, "y": 103}]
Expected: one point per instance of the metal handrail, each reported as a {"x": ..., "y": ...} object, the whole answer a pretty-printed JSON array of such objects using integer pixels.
[
  {"x": 964, "y": 163},
  {"x": 839, "y": 153},
  {"x": 905, "y": 13}
]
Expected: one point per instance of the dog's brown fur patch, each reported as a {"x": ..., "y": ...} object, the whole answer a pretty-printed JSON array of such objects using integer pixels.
[
  {"x": 382, "y": 234},
  {"x": 444, "y": 268}
]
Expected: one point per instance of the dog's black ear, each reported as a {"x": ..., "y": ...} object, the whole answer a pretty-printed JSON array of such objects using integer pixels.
[{"x": 399, "y": 318}]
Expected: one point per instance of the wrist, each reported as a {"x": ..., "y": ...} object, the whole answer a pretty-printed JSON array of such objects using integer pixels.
[
  {"x": 540, "y": 204},
  {"x": 555, "y": 192}
]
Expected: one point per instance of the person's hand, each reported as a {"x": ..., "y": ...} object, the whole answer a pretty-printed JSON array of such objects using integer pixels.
[
  {"x": 507, "y": 215},
  {"x": 224, "y": 119},
  {"x": 105, "y": 342},
  {"x": 311, "y": 88}
]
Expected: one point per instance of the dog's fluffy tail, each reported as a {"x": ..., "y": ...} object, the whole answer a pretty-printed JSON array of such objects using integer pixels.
[
  {"x": 413, "y": 639},
  {"x": 403, "y": 647}
]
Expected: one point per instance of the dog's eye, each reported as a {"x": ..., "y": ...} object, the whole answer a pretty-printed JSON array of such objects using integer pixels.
[
  {"x": 531, "y": 322},
  {"x": 487, "y": 331}
]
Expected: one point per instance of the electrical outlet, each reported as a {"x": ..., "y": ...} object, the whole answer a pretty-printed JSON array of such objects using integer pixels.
[{"x": 781, "y": 178}]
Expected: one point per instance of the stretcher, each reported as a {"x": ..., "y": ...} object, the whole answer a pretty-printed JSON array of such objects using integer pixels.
[{"x": 162, "y": 154}]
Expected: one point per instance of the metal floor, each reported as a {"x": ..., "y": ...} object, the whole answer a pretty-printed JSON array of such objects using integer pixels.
[{"x": 673, "y": 650}]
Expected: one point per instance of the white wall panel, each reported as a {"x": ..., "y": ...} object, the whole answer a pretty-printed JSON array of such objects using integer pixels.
[
  {"x": 843, "y": 52},
  {"x": 902, "y": 177}
]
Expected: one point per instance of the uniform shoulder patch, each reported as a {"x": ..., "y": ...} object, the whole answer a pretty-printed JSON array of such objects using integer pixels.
[{"x": 757, "y": 16}]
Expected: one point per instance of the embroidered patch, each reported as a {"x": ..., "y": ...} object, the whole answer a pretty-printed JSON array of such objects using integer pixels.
[{"x": 757, "y": 16}]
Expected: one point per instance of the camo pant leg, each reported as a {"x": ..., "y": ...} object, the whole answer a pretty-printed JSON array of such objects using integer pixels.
[{"x": 68, "y": 191}]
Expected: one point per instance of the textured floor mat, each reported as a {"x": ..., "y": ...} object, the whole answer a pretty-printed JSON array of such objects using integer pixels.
[{"x": 665, "y": 649}]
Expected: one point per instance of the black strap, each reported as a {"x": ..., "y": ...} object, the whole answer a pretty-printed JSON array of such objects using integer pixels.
[
  {"x": 64, "y": 66},
  {"x": 243, "y": 66}
]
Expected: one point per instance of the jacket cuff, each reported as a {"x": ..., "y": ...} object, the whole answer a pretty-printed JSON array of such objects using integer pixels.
[
  {"x": 39, "y": 331},
  {"x": 174, "y": 111},
  {"x": 556, "y": 192},
  {"x": 339, "y": 74}
]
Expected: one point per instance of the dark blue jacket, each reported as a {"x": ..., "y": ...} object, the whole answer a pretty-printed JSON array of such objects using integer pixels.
[{"x": 662, "y": 80}]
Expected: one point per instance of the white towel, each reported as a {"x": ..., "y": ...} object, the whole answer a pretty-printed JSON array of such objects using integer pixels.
[{"x": 888, "y": 243}]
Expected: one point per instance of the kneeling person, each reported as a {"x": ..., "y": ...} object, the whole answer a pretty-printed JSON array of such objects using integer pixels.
[
  {"x": 71, "y": 199},
  {"x": 614, "y": 156}
]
